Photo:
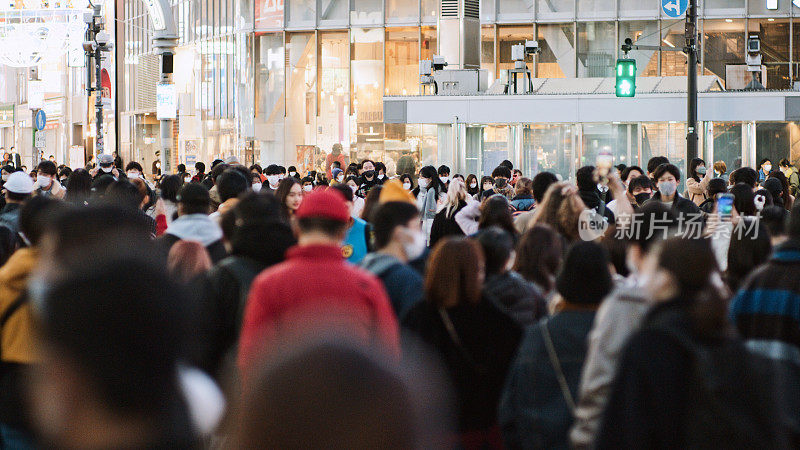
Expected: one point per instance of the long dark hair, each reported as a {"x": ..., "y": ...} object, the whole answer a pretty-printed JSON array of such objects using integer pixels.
[
  {"x": 750, "y": 247},
  {"x": 79, "y": 187},
  {"x": 431, "y": 173},
  {"x": 539, "y": 256},
  {"x": 693, "y": 168},
  {"x": 284, "y": 187},
  {"x": 495, "y": 211},
  {"x": 692, "y": 264}
]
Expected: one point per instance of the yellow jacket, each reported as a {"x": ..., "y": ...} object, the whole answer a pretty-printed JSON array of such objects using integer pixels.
[{"x": 16, "y": 337}]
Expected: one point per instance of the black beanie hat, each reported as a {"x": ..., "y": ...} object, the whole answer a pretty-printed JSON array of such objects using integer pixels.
[{"x": 585, "y": 277}]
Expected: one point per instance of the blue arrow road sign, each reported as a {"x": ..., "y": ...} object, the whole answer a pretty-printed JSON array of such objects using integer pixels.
[
  {"x": 674, "y": 8},
  {"x": 41, "y": 120}
]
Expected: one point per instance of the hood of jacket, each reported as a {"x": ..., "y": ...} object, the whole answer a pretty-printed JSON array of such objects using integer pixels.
[
  {"x": 377, "y": 263},
  {"x": 196, "y": 227}
]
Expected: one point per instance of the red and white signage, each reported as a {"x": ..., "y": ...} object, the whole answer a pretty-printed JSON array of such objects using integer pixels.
[{"x": 269, "y": 14}]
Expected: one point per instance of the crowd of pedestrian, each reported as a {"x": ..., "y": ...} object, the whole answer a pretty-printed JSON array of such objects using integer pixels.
[{"x": 250, "y": 307}]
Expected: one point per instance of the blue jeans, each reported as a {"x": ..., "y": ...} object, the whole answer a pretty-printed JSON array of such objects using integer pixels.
[{"x": 13, "y": 439}]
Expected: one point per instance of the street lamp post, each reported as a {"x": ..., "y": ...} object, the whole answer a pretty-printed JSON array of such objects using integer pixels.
[
  {"x": 97, "y": 42},
  {"x": 691, "y": 113}
]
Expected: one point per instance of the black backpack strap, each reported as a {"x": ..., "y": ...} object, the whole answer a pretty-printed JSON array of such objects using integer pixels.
[
  {"x": 12, "y": 308},
  {"x": 15, "y": 305}
]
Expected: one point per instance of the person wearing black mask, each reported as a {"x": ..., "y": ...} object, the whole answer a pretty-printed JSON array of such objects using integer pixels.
[
  {"x": 501, "y": 176},
  {"x": 641, "y": 188},
  {"x": 368, "y": 181}
]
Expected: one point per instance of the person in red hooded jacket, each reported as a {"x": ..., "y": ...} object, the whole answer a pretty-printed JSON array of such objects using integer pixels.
[{"x": 316, "y": 291}]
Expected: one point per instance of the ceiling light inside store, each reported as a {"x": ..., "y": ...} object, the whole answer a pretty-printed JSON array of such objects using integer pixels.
[{"x": 729, "y": 20}]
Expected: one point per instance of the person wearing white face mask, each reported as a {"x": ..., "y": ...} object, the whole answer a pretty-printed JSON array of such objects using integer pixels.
[
  {"x": 46, "y": 184},
  {"x": 273, "y": 174},
  {"x": 105, "y": 166},
  {"x": 399, "y": 239},
  {"x": 667, "y": 177}
]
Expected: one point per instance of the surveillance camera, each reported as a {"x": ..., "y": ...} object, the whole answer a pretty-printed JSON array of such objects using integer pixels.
[
  {"x": 102, "y": 38},
  {"x": 531, "y": 47},
  {"x": 438, "y": 62},
  {"x": 753, "y": 44},
  {"x": 88, "y": 18},
  {"x": 89, "y": 46}
]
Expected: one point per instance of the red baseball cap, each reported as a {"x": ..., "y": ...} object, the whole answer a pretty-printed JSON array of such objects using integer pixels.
[{"x": 324, "y": 204}]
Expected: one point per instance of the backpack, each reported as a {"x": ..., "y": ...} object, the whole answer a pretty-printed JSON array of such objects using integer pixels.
[{"x": 734, "y": 405}]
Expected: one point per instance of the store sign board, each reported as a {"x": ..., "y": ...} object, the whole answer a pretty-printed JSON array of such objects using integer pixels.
[
  {"x": 269, "y": 13},
  {"x": 166, "y": 102},
  {"x": 35, "y": 95}
]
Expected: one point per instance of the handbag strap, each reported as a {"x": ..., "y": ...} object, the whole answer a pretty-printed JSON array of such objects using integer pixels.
[{"x": 562, "y": 380}]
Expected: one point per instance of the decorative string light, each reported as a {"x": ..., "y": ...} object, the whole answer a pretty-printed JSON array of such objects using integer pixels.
[{"x": 34, "y": 34}]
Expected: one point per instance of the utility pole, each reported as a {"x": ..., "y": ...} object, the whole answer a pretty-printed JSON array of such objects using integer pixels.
[
  {"x": 691, "y": 103},
  {"x": 95, "y": 43}
]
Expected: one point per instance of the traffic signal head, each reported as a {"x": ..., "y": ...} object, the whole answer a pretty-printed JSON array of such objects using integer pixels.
[{"x": 626, "y": 78}]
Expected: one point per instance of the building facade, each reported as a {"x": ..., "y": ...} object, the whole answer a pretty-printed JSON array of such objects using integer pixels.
[{"x": 285, "y": 80}]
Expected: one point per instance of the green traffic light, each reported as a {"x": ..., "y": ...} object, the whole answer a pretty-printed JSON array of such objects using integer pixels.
[{"x": 626, "y": 78}]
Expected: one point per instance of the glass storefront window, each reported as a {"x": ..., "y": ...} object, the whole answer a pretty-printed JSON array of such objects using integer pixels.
[
  {"x": 487, "y": 51},
  {"x": 402, "y": 61},
  {"x": 555, "y": 9},
  {"x": 665, "y": 139},
  {"x": 333, "y": 123},
  {"x": 723, "y": 143},
  {"x": 402, "y": 11},
  {"x": 775, "y": 141},
  {"x": 333, "y": 12},
  {"x": 507, "y": 36},
  {"x": 619, "y": 139},
  {"x": 487, "y": 11},
  {"x": 428, "y": 44},
  {"x": 270, "y": 91},
  {"x": 366, "y": 76},
  {"x": 366, "y": 12},
  {"x": 593, "y": 9},
  {"x": 759, "y": 7},
  {"x": 301, "y": 95},
  {"x": 673, "y": 35},
  {"x": 774, "y": 34},
  {"x": 596, "y": 49},
  {"x": 430, "y": 10},
  {"x": 724, "y": 50},
  {"x": 725, "y": 8},
  {"x": 497, "y": 146},
  {"x": 301, "y": 12},
  {"x": 642, "y": 32},
  {"x": 557, "y": 58},
  {"x": 515, "y": 10},
  {"x": 548, "y": 148},
  {"x": 639, "y": 8},
  {"x": 409, "y": 147}
]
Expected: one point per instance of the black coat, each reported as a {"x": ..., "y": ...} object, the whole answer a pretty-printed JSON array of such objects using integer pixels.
[
  {"x": 444, "y": 226},
  {"x": 680, "y": 205},
  {"x": 593, "y": 201},
  {"x": 478, "y": 367},
  {"x": 517, "y": 297},
  {"x": 227, "y": 286}
]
